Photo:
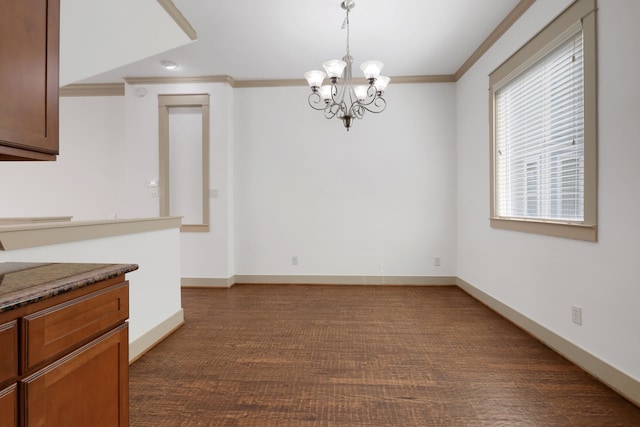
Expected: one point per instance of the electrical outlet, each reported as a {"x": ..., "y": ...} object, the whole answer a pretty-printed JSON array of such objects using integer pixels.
[
  {"x": 436, "y": 261},
  {"x": 576, "y": 314},
  {"x": 294, "y": 260}
]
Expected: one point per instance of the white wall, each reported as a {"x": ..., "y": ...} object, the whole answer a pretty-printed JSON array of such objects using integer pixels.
[
  {"x": 378, "y": 200},
  {"x": 97, "y": 36},
  {"x": 540, "y": 276},
  {"x": 108, "y": 155},
  {"x": 86, "y": 179},
  {"x": 154, "y": 289},
  {"x": 204, "y": 255}
]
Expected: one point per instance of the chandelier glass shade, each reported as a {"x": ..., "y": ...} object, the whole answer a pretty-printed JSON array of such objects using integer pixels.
[{"x": 341, "y": 98}]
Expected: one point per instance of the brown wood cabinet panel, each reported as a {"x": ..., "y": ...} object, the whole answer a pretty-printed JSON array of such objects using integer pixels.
[
  {"x": 9, "y": 406},
  {"x": 9, "y": 353},
  {"x": 89, "y": 387},
  {"x": 66, "y": 326},
  {"x": 78, "y": 370},
  {"x": 29, "y": 39}
]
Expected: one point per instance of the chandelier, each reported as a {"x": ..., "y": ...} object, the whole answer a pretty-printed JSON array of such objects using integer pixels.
[{"x": 341, "y": 98}]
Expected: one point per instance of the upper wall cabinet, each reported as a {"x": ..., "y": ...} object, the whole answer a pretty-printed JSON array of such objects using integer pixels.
[{"x": 29, "y": 34}]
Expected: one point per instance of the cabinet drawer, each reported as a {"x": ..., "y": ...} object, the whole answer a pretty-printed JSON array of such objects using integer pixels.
[
  {"x": 9, "y": 407},
  {"x": 9, "y": 353},
  {"x": 64, "y": 327}
]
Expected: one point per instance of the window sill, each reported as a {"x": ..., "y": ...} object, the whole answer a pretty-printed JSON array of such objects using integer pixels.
[{"x": 587, "y": 233}]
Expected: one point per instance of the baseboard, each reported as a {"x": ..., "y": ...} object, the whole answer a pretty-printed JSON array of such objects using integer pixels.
[
  {"x": 346, "y": 280},
  {"x": 612, "y": 377},
  {"x": 206, "y": 282},
  {"x": 141, "y": 345}
]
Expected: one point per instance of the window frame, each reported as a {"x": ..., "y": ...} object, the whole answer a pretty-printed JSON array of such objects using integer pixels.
[
  {"x": 583, "y": 12},
  {"x": 165, "y": 102}
]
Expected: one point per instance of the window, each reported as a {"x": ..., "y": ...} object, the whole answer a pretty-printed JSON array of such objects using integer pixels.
[
  {"x": 539, "y": 129},
  {"x": 543, "y": 131}
]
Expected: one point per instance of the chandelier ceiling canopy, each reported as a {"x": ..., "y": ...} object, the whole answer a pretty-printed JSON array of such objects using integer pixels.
[{"x": 341, "y": 98}]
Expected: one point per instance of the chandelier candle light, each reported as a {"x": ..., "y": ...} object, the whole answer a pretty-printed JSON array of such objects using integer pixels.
[{"x": 341, "y": 98}]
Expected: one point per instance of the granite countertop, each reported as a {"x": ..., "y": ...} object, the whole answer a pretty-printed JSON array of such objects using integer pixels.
[{"x": 23, "y": 283}]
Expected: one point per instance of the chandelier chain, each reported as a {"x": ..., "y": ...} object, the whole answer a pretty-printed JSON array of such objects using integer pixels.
[{"x": 346, "y": 22}]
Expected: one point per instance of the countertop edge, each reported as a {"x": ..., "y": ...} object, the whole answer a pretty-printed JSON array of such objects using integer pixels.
[
  {"x": 64, "y": 285},
  {"x": 24, "y": 236}
]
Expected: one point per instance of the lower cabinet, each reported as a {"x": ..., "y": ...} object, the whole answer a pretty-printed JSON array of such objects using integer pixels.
[
  {"x": 67, "y": 359},
  {"x": 83, "y": 388},
  {"x": 9, "y": 406},
  {"x": 9, "y": 353}
]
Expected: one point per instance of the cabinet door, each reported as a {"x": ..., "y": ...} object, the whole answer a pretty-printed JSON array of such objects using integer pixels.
[
  {"x": 9, "y": 407},
  {"x": 9, "y": 353},
  {"x": 29, "y": 34},
  {"x": 89, "y": 387}
]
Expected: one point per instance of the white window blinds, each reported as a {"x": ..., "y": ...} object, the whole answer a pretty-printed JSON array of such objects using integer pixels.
[{"x": 539, "y": 138}]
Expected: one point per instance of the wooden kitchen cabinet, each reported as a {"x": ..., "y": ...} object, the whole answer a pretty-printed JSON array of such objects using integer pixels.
[
  {"x": 29, "y": 58},
  {"x": 9, "y": 374},
  {"x": 67, "y": 359},
  {"x": 9, "y": 406},
  {"x": 55, "y": 330},
  {"x": 82, "y": 389},
  {"x": 9, "y": 353}
]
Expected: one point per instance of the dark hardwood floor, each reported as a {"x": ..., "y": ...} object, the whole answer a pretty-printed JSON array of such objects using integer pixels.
[{"x": 349, "y": 356}]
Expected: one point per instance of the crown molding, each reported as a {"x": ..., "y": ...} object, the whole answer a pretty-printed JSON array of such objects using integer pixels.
[
  {"x": 93, "y": 89},
  {"x": 498, "y": 32},
  {"x": 269, "y": 83},
  {"x": 117, "y": 89},
  {"x": 434, "y": 78},
  {"x": 439, "y": 78},
  {"x": 179, "y": 18},
  {"x": 174, "y": 80},
  {"x": 444, "y": 78}
]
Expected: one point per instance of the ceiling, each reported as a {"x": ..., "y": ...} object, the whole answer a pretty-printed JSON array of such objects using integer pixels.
[{"x": 282, "y": 39}]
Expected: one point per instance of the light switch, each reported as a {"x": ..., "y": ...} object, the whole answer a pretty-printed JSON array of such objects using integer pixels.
[{"x": 153, "y": 188}]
